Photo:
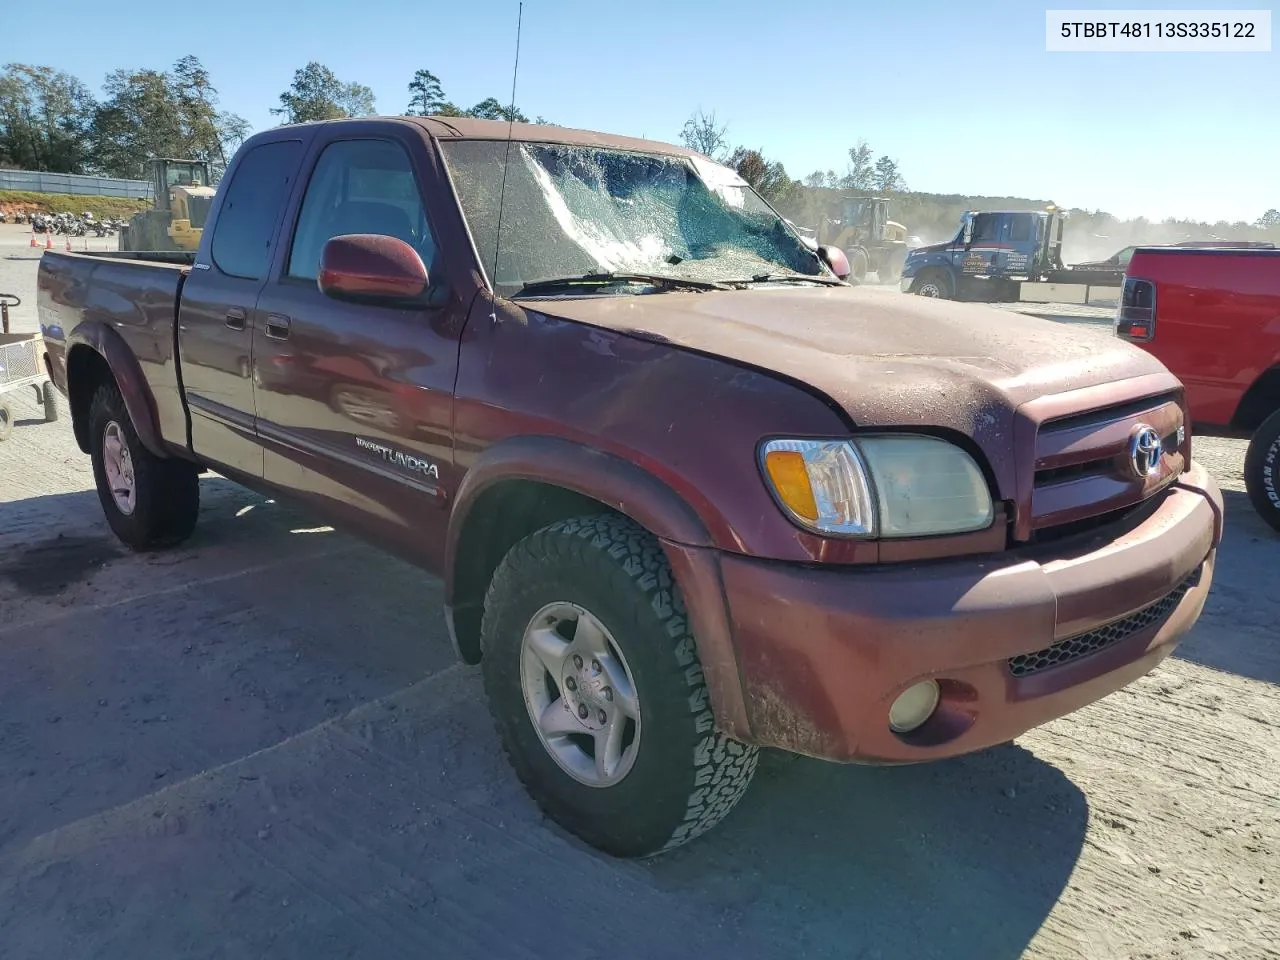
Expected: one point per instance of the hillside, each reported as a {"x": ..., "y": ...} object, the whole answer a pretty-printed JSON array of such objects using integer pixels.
[{"x": 20, "y": 201}]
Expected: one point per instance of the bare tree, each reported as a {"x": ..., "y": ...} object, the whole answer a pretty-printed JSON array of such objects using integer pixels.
[{"x": 702, "y": 133}]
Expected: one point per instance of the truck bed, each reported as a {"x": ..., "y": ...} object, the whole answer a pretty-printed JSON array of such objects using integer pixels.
[{"x": 123, "y": 300}]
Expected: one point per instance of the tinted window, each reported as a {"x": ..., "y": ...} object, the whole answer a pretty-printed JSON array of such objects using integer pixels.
[
  {"x": 1019, "y": 229},
  {"x": 359, "y": 186},
  {"x": 247, "y": 219},
  {"x": 985, "y": 227}
]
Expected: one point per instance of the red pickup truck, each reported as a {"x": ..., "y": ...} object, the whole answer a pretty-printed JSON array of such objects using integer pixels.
[
  {"x": 690, "y": 493},
  {"x": 1212, "y": 316}
]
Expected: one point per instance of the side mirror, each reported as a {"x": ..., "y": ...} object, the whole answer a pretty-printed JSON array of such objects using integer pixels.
[
  {"x": 835, "y": 258},
  {"x": 371, "y": 267}
]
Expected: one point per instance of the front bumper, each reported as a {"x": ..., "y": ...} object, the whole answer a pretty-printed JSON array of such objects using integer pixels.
[{"x": 1013, "y": 640}]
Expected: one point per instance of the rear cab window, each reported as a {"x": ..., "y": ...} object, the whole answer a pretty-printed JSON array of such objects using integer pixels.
[{"x": 247, "y": 219}]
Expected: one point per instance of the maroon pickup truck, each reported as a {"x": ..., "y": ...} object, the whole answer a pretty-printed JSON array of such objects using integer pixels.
[{"x": 690, "y": 493}]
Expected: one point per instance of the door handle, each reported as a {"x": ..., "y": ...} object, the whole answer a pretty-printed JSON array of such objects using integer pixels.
[
  {"x": 277, "y": 327},
  {"x": 236, "y": 318}
]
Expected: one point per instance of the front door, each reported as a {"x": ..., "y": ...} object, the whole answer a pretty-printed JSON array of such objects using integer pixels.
[
  {"x": 983, "y": 245},
  {"x": 215, "y": 339},
  {"x": 355, "y": 401}
]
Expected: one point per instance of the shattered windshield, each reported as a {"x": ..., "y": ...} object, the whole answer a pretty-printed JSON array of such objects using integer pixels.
[{"x": 570, "y": 211}]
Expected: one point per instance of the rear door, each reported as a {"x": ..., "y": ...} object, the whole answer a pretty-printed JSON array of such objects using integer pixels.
[
  {"x": 355, "y": 401},
  {"x": 215, "y": 339}
]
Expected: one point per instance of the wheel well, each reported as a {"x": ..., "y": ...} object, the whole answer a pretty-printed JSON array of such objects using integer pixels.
[
  {"x": 934, "y": 270},
  {"x": 1260, "y": 401},
  {"x": 503, "y": 515},
  {"x": 86, "y": 371}
]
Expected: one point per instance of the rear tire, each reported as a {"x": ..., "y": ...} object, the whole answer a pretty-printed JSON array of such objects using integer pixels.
[
  {"x": 6, "y": 421},
  {"x": 1262, "y": 470},
  {"x": 153, "y": 501},
  {"x": 675, "y": 777}
]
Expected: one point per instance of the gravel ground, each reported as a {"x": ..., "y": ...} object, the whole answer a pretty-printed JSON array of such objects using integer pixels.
[{"x": 260, "y": 745}]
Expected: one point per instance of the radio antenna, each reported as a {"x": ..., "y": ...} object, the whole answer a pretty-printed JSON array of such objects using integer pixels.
[{"x": 506, "y": 160}]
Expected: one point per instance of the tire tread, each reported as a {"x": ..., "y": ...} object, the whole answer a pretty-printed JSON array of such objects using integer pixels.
[
  {"x": 168, "y": 490},
  {"x": 723, "y": 767}
]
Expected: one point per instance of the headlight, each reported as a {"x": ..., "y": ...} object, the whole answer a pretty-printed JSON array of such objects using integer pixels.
[{"x": 892, "y": 485}]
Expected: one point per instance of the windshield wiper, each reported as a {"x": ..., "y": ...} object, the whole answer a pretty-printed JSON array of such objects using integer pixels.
[
  {"x": 787, "y": 278},
  {"x": 616, "y": 277}
]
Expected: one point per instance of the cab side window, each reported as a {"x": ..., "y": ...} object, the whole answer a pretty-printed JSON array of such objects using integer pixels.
[
  {"x": 1019, "y": 228},
  {"x": 985, "y": 228},
  {"x": 241, "y": 245},
  {"x": 359, "y": 186}
]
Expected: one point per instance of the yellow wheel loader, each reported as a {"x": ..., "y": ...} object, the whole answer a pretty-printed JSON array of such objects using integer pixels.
[
  {"x": 872, "y": 242},
  {"x": 183, "y": 198}
]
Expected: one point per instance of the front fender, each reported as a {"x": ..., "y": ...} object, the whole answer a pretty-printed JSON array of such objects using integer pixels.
[
  {"x": 651, "y": 503},
  {"x": 603, "y": 477},
  {"x": 98, "y": 338}
]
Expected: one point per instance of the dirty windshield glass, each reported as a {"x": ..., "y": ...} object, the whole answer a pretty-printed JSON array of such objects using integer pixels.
[{"x": 570, "y": 210}]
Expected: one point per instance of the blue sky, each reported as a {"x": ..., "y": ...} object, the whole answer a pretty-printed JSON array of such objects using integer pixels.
[{"x": 962, "y": 94}]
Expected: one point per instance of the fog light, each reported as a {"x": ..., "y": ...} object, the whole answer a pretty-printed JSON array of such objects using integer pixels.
[{"x": 913, "y": 707}]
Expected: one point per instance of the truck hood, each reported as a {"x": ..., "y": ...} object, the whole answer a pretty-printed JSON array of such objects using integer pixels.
[
  {"x": 886, "y": 359},
  {"x": 930, "y": 248}
]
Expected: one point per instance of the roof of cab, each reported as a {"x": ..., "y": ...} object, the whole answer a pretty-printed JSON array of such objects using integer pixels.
[{"x": 468, "y": 128}]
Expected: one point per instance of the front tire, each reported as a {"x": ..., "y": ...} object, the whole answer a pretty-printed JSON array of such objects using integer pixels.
[
  {"x": 858, "y": 266},
  {"x": 1262, "y": 470},
  {"x": 932, "y": 283},
  {"x": 595, "y": 685},
  {"x": 149, "y": 501}
]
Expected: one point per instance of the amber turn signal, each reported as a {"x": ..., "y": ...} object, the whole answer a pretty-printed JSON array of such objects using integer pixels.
[{"x": 790, "y": 479}]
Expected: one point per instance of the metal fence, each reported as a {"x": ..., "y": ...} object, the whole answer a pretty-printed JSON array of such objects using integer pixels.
[{"x": 73, "y": 183}]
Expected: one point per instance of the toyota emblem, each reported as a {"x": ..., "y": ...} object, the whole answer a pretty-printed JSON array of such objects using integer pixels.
[{"x": 1145, "y": 449}]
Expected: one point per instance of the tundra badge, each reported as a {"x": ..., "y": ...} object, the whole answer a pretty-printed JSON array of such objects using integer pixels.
[{"x": 399, "y": 458}]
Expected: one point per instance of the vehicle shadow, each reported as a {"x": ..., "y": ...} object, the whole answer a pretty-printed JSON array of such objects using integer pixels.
[
  {"x": 1237, "y": 631},
  {"x": 846, "y": 861},
  {"x": 241, "y": 725}
]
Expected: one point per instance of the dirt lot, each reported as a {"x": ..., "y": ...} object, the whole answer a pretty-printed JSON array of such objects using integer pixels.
[{"x": 259, "y": 745}]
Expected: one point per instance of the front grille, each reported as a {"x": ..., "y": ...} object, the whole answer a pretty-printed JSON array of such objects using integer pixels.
[
  {"x": 1082, "y": 464},
  {"x": 1084, "y": 644}
]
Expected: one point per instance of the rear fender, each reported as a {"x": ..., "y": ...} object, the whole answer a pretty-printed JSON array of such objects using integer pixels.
[
  {"x": 632, "y": 491},
  {"x": 139, "y": 402}
]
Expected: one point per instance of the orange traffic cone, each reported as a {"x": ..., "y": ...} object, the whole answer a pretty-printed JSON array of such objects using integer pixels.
[
  {"x": 68, "y": 243},
  {"x": 33, "y": 239},
  {"x": 48, "y": 241}
]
